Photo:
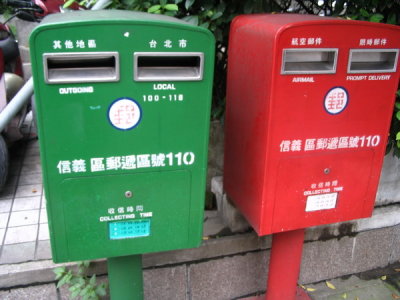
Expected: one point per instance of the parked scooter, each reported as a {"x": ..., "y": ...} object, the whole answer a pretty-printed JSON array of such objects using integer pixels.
[
  {"x": 10, "y": 82},
  {"x": 11, "y": 73}
]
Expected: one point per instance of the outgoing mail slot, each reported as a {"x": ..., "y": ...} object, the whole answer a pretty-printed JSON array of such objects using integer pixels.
[
  {"x": 307, "y": 118},
  {"x": 81, "y": 67}
]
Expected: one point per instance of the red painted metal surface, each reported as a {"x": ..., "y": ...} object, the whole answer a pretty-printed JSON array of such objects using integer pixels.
[
  {"x": 305, "y": 149},
  {"x": 284, "y": 265}
]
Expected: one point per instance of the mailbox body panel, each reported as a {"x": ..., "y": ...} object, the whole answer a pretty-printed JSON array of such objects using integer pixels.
[
  {"x": 305, "y": 136},
  {"x": 122, "y": 155}
]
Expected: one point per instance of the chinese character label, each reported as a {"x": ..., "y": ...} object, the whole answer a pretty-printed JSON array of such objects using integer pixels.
[
  {"x": 113, "y": 163},
  {"x": 332, "y": 143},
  {"x": 296, "y": 145},
  {"x": 92, "y": 44},
  {"x": 182, "y": 43},
  {"x": 56, "y": 44},
  {"x": 143, "y": 160},
  {"x": 375, "y": 41},
  {"x": 309, "y": 145},
  {"x": 131, "y": 162},
  {"x": 124, "y": 114},
  {"x": 79, "y": 166},
  {"x": 97, "y": 164},
  {"x": 153, "y": 44},
  {"x": 80, "y": 44},
  {"x": 158, "y": 160},
  {"x": 167, "y": 44},
  {"x": 336, "y": 100},
  {"x": 69, "y": 44},
  {"x": 285, "y": 146},
  {"x": 64, "y": 166},
  {"x": 128, "y": 162},
  {"x": 76, "y": 44},
  {"x": 306, "y": 41}
]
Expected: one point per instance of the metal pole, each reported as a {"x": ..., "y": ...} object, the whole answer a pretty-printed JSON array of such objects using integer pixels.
[
  {"x": 15, "y": 105},
  {"x": 101, "y": 4},
  {"x": 284, "y": 265},
  {"x": 125, "y": 277}
]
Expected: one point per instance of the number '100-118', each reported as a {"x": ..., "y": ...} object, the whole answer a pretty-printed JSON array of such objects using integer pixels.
[{"x": 156, "y": 98}]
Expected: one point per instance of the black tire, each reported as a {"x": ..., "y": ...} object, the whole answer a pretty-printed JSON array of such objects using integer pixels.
[{"x": 3, "y": 162}]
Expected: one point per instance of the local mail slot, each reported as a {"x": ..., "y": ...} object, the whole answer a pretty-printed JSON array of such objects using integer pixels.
[{"x": 309, "y": 104}]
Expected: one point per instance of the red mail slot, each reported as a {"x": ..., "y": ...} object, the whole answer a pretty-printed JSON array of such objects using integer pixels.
[{"x": 309, "y": 104}]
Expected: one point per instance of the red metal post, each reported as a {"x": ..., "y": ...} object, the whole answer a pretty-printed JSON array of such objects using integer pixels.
[{"x": 284, "y": 265}]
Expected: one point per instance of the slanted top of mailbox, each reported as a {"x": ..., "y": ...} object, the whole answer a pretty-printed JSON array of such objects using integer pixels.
[
  {"x": 115, "y": 17},
  {"x": 102, "y": 16},
  {"x": 278, "y": 22}
]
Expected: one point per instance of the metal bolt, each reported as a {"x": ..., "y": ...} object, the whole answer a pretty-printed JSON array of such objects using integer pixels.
[
  {"x": 327, "y": 171},
  {"x": 128, "y": 194}
]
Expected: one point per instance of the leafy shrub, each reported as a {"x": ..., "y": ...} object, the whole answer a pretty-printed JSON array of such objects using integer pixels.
[{"x": 79, "y": 283}]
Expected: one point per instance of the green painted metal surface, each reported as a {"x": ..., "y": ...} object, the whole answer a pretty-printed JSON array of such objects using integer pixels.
[
  {"x": 125, "y": 277},
  {"x": 122, "y": 150}
]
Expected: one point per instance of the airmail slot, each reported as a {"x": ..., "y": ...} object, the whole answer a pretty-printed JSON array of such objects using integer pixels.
[
  {"x": 123, "y": 103},
  {"x": 309, "y": 104}
]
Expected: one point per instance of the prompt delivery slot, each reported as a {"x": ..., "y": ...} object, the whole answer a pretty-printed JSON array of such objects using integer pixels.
[
  {"x": 81, "y": 67},
  {"x": 372, "y": 60},
  {"x": 309, "y": 61},
  {"x": 168, "y": 66}
]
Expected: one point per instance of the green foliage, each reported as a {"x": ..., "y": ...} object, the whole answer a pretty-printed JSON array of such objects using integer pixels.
[
  {"x": 79, "y": 283},
  {"x": 164, "y": 8},
  {"x": 4, "y": 9},
  {"x": 395, "y": 132}
]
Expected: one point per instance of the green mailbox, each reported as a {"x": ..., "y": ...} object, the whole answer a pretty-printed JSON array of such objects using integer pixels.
[{"x": 123, "y": 108}]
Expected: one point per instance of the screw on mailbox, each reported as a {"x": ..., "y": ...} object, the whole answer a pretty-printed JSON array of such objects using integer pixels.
[
  {"x": 327, "y": 171},
  {"x": 128, "y": 194}
]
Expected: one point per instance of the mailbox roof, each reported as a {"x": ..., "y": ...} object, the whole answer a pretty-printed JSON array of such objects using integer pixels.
[
  {"x": 108, "y": 15},
  {"x": 279, "y": 22}
]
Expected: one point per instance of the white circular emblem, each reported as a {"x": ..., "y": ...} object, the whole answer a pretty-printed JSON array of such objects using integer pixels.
[
  {"x": 124, "y": 113},
  {"x": 336, "y": 100}
]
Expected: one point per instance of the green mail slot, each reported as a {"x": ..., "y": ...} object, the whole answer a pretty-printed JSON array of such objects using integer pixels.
[{"x": 123, "y": 108}]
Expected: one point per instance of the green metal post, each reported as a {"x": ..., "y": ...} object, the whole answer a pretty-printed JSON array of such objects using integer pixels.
[{"x": 125, "y": 277}]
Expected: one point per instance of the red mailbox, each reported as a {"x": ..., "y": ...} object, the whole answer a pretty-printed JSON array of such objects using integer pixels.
[{"x": 309, "y": 104}]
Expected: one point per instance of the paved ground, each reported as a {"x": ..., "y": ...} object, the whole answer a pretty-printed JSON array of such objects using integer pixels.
[
  {"x": 380, "y": 284},
  {"x": 24, "y": 232}
]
